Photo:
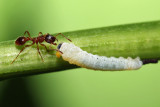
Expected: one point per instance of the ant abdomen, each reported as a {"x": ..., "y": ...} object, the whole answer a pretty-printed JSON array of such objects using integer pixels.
[{"x": 21, "y": 40}]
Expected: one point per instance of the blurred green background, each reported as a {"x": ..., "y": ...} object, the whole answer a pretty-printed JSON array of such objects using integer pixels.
[{"x": 78, "y": 87}]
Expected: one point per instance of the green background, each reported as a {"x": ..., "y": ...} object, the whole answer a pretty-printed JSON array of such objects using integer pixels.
[{"x": 78, "y": 87}]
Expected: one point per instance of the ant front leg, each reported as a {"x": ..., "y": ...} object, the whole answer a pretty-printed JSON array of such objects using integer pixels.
[
  {"x": 21, "y": 51},
  {"x": 44, "y": 46},
  {"x": 55, "y": 49},
  {"x": 63, "y": 36},
  {"x": 27, "y": 33},
  {"x": 51, "y": 45}
]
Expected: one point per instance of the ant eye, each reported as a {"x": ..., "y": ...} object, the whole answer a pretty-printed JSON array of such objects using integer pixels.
[
  {"x": 50, "y": 39},
  {"x": 20, "y": 41}
]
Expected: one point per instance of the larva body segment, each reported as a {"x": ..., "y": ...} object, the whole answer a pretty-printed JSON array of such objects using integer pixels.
[{"x": 75, "y": 55}]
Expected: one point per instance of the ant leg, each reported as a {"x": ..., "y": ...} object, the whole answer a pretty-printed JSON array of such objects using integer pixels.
[
  {"x": 63, "y": 36},
  {"x": 57, "y": 50},
  {"x": 54, "y": 49},
  {"x": 40, "y": 33},
  {"x": 50, "y": 48},
  {"x": 21, "y": 51},
  {"x": 39, "y": 52},
  {"x": 44, "y": 46},
  {"x": 45, "y": 34},
  {"x": 27, "y": 33},
  {"x": 51, "y": 45}
]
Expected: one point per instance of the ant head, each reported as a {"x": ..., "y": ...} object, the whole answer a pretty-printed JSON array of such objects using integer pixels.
[
  {"x": 21, "y": 40},
  {"x": 49, "y": 38}
]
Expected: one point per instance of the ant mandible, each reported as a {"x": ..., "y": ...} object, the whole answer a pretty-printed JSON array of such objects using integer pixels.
[{"x": 38, "y": 40}]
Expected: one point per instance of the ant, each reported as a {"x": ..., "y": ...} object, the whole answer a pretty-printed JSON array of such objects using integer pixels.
[{"x": 38, "y": 40}]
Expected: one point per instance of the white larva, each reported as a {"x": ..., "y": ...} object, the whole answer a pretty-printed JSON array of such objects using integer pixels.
[{"x": 75, "y": 55}]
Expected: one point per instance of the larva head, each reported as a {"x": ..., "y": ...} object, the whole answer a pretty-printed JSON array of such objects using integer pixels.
[
  {"x": 59, "y": 53},
  {"x": 50, "y": 39},
  {"x": 59, "y": 46},
  {"x": 21, "y": 40}
]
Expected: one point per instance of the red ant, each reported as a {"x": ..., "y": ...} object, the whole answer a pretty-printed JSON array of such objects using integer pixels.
[{"x": 41, "y": 38}]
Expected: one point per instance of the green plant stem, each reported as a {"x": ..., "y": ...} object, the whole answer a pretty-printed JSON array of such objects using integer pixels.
[{"x": 141, "y": 39}]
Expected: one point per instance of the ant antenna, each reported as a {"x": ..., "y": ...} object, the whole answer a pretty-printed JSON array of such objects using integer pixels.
[{"x": 63, "y": 36}]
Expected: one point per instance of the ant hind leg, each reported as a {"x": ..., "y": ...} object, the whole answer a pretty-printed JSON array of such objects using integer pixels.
[{"x": 21, "y": 51}]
